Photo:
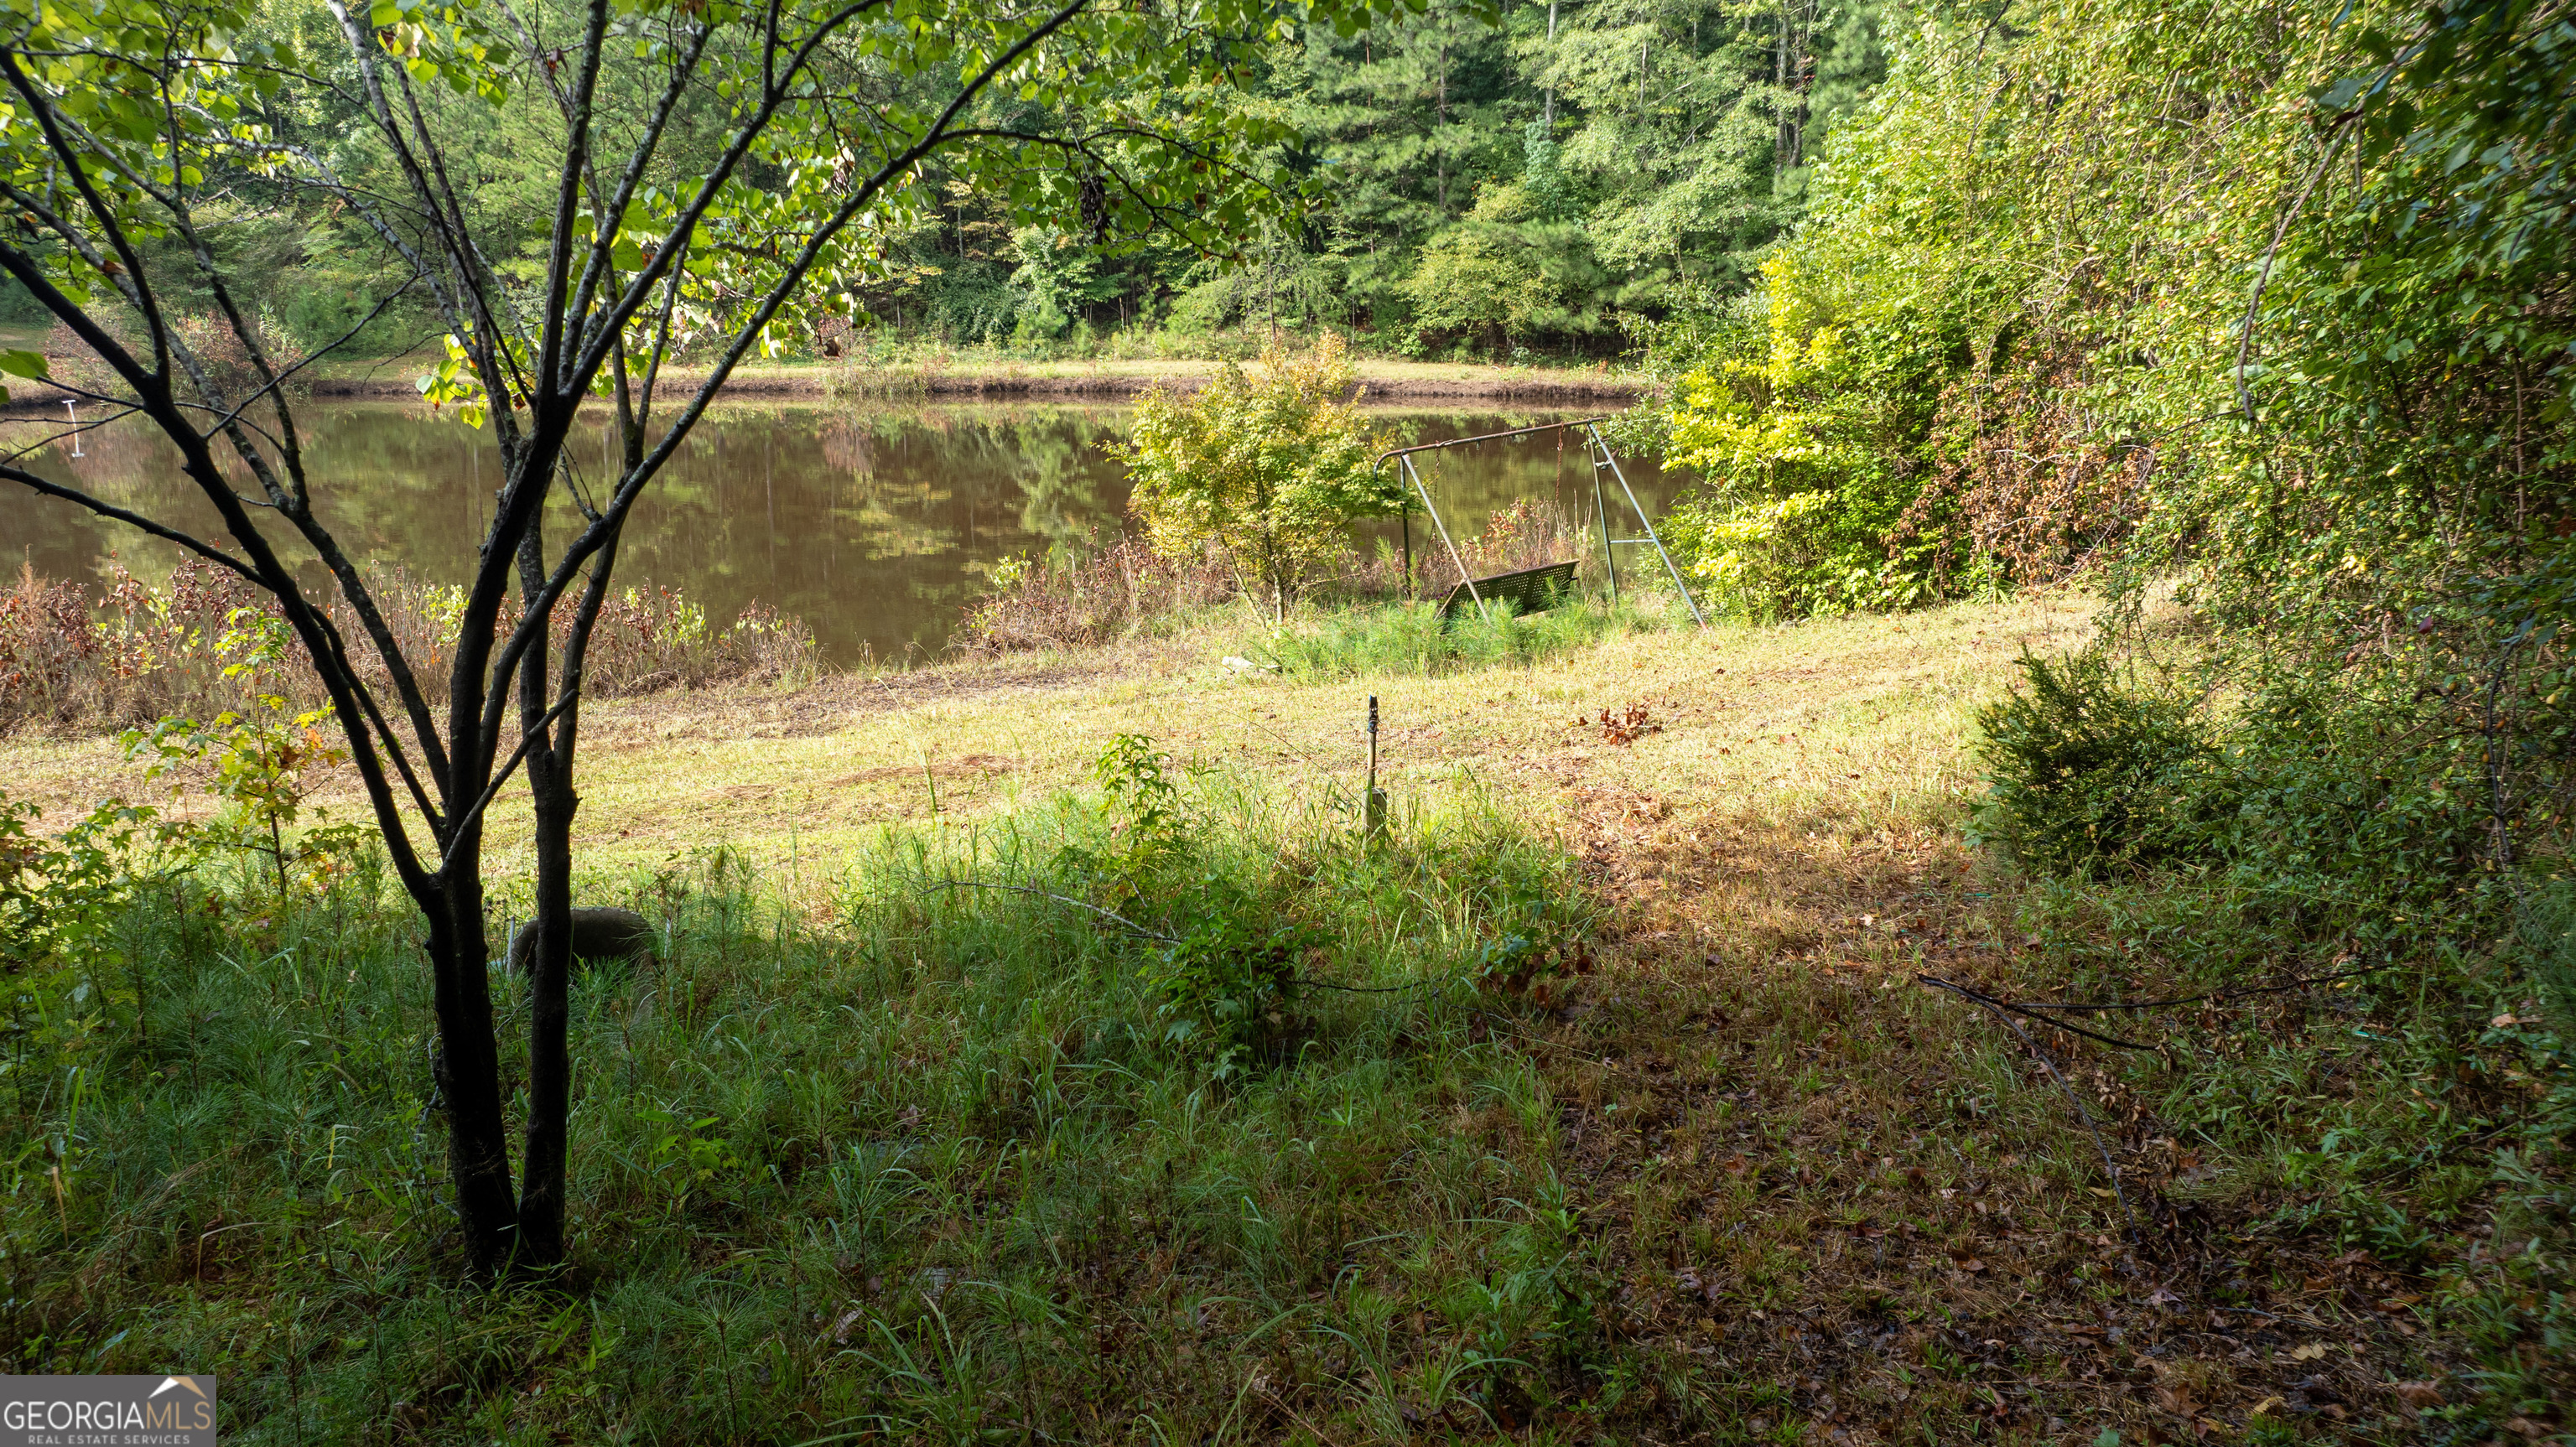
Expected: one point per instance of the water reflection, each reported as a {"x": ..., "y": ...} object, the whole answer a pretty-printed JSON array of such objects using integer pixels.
[{"x": 874, "y": 526}]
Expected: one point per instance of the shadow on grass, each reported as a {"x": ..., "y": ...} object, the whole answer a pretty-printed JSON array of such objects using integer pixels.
[{"x": 891, "y": 1158}]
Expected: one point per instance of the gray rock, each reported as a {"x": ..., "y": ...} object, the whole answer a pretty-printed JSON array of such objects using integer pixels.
[{"x": 598, "y": 933}]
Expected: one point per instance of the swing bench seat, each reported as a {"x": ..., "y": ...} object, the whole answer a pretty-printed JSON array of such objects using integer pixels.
[{"x": 1533, "y": 590}]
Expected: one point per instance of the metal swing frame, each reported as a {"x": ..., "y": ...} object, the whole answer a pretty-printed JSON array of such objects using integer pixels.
[{"x": 1602, "y": 460}]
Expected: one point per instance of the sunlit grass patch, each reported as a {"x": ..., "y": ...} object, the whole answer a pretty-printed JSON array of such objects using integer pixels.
[{"x": 1420, "y": 641}]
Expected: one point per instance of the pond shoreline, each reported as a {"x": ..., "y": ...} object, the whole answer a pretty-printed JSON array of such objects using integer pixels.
[{"x": 1380, "y": 381}]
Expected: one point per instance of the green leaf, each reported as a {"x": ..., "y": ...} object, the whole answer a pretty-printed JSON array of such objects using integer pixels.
[{"x": 24, "y": 364}]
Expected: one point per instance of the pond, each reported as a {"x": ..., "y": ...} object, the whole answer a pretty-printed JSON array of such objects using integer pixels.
[{"x": 875, "y": 526}]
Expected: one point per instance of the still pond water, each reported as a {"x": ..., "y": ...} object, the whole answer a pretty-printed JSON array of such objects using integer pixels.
[{"x": 876, "y": 527}]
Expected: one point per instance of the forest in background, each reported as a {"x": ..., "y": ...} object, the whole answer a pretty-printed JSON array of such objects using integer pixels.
[{"x": 1479, "y": 182}]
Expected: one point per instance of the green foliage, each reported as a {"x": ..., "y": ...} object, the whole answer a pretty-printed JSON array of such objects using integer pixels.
[
  {"x": 1807, "y": 413},
  {"x": 62, "y": 965},
  {"x": 948, "y": 1117},
  {"x": 2280, "y": 331},
  {"x": 2091, "y": 775},
  {"x": 1268, "y": 467},
  {"x": 1392, "y": 132},
  {"x": 1229, "y": 982},
  {"x": 1144, "y": 806},
  {"x": 258, "y": 763}
]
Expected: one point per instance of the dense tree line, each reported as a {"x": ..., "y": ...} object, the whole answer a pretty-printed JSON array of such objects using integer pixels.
[
  {"x": 1476, "y": 179},
  {"x": 1472, "y": 178}
]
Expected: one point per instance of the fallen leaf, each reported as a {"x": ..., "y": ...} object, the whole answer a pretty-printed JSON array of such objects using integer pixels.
[
  {"x": 2265, "y": 1405},
  {"x": 2418, "y": 1395}
]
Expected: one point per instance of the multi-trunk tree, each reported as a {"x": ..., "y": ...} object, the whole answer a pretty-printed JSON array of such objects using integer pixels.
[{"x": 682, "y": 177}]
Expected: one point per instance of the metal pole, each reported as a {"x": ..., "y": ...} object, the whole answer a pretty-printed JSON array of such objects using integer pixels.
[
  {"x": 1463, "y": 574},
  {"x": 1609, "y": 555},
  {"x": 1687, "y": 600},
  {"x": 1490, "y": 436}
]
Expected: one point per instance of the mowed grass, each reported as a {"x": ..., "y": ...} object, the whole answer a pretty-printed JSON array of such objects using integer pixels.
[
  {"x": 869, "y": 1158},
  {"x": 1855, "y": 714}
]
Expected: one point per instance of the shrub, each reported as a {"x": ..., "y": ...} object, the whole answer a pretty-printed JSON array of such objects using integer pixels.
[
  {"x": 1804, "y": 411},
  {"x": 1268, "y": 468},
  {"x": 2090, "y": 774},
  {"x": 1229, "y": 982}
]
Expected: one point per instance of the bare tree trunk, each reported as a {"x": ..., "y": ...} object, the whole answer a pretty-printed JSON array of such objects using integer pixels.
[
  {"x": 1788, "y": 67},
  {"x": 469, "y": 1075},
  {"x": 541, "y": 1192},
  {"x": 541, "y": 1189},
  {"x": 1440, "y": 121}
]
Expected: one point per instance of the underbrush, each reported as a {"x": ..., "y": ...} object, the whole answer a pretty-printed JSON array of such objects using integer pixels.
[
  {"x": 207, "y": 642},
  {"x": 2349, "y": 890},
  {"x": 1171, "y": 1115}
]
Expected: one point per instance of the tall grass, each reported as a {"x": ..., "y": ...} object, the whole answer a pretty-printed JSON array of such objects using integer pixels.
[
  {"x": 200, "y": 644},
  {"x": 1415, "y": 639},
  {"x": 873, "y": 1156}
]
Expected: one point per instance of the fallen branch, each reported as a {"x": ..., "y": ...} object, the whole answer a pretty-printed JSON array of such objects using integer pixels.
[
  {"x": 2086, "y": 1007},
  {"x": 1987, "y": 1003},
  {"x": 2029, "y": 1012}
]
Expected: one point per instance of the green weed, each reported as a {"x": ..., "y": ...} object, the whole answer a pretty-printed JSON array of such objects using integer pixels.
[{"x": 922, "y": 1163}]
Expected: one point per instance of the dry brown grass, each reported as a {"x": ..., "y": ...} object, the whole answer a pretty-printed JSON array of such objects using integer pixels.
[
  {"x": 72, "y": 660},
  {"x": 1859, "y": 1203}
]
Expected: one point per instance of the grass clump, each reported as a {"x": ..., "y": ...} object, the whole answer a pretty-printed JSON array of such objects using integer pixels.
[
  {"x": 1416, "y": 639},
  {"x": 886, "y": 1156}
]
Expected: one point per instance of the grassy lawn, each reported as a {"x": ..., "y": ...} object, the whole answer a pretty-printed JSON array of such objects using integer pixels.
[
  {"x": 1603, "y": 1106},
  {"x": 1851, "y": 719}
]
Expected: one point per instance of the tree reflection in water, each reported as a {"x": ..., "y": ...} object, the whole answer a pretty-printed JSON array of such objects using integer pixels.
[{"x": 876, "y": 526}]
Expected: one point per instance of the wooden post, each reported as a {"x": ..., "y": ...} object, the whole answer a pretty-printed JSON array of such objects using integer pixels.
[{"x": 1376, "y": 808}]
